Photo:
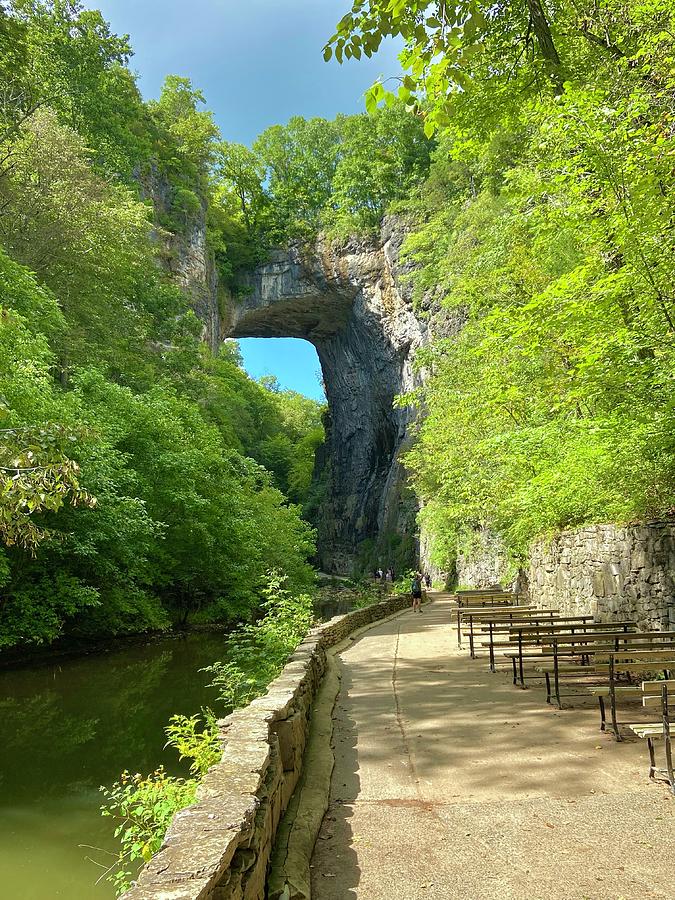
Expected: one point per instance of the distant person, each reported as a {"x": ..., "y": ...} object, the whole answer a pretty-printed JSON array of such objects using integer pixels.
[
  {"x": 427, "y": 580},
  {"x": 389, "y": 576},
  {"x": 416, "y": 591}
]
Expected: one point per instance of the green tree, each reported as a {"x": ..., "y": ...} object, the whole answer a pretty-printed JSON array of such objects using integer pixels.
[
  {"x": 68, "y": 59},
  {"x": 299, "y": 160},
  {"x": 469, "y": 49},
  {"x": 382, "y": 158}
]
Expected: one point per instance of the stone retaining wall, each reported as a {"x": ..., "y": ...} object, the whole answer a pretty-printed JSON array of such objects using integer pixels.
[
  {"x": 219, "y": 849},
  {"x": 484, "y": 562},
  {"x": 611, "y": 572}
]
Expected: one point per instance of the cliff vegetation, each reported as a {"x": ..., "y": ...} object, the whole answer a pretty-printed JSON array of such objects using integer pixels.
[
  {"x": 145, "y": 479},
  {"x": 546, "y": 227}
]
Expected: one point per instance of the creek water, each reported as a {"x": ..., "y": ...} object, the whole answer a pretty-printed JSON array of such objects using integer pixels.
[
  {"x": 68, "y": 727},
  {"x": 75, "y": 724}
]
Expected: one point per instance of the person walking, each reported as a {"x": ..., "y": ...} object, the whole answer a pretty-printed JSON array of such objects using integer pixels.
[{"x": 416, "y": 591}]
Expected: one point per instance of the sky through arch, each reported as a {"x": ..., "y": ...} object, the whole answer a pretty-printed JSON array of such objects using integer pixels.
[{"x": 294, "y": 362}]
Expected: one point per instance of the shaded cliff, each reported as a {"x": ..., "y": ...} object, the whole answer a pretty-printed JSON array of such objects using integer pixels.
[{"x": 354, "y": 305}]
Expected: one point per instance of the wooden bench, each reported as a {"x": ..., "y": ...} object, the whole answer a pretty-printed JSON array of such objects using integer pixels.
[
  {"x": 551, "y": 640},
  {"x": 477, "y": 612},
  {"x": 516, "y": 615},
  {"x": 638, "y": 660},
  {"x": 486, "y": 597},
  {"x": 528, "y": 632},
  {"x": 594, "y": 664},
  {"x": 657, "y": 693}
]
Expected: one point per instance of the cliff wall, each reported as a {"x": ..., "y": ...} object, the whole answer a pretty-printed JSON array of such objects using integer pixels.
[
  {"x": 609, "y": 571},
  {"x": 354, "y": 304},
  {"x": 184, "y": 254}
]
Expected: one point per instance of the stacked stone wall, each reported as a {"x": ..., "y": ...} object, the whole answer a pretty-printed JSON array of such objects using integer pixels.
[
  {"x": 484, "y": 562},
  {"x": 611, "y": 572},
  {"x": 219, "y": 849}
]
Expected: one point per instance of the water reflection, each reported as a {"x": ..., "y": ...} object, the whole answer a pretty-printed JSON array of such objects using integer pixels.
[{"x": 69, "y": 727}]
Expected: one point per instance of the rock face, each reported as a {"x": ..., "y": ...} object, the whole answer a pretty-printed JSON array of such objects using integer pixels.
[
  {"x": 354, "y": 305},
  {"x": 611, "y": 572},
  {"x": 184, "y": 254},
  {"x": 485, "y": 562}
]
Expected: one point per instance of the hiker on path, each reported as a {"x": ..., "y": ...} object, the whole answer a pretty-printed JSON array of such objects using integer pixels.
[
  {"x": 427, "y": 580},
  {"x": 416, "y": 591}
]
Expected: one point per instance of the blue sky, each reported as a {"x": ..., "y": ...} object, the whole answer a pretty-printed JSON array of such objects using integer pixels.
[{"x": 258, "y": 63}]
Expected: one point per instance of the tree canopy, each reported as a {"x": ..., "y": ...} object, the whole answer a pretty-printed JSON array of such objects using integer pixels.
[
  {"x": 143, "y": 479},
  {"x": 544, "y": 234}
]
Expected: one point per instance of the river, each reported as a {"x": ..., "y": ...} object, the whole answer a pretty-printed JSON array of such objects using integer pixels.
[{"x": 67, "y": 728}]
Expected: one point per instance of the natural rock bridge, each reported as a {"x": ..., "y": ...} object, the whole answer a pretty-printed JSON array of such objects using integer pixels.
[{"x": 356, "y": 309}]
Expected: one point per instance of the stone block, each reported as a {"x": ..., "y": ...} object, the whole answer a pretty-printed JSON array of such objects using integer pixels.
[
  {"x": 292, "y": 735},
  {"x": 598, "y": 583}
]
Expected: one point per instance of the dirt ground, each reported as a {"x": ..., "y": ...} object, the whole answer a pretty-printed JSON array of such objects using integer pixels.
[{"x": 451, "y": 783}]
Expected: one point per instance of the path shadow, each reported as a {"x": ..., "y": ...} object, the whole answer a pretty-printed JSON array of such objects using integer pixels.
[
  {"x": 467, "y": 723},
  {"x": 335, "y": 869}
]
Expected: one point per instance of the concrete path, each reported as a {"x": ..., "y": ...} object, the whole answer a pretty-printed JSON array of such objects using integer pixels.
[{"x": 451, "y": 783}]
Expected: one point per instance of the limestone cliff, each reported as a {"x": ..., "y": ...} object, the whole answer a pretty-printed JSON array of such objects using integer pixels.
[
  {"x": 184, "y": 253},
  {"x": 354, "y": 304}
]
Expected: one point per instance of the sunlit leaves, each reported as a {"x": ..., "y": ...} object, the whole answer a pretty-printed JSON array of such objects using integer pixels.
[
  {"x": 553, "y": 406},
  {"x": 36, "y": 476}
]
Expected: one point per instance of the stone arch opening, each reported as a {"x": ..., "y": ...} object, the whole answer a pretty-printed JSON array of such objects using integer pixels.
[{"x": 292, "y": 361}]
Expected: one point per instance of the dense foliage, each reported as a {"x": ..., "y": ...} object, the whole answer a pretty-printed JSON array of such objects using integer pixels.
[
  {"x": 256, "y": 653},
  {"x": 143, "y": 479},
  {"x": 312, "y": 175},
  {"x": 545, "y": 231}
]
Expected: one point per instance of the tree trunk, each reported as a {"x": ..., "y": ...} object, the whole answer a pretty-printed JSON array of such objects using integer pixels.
[{"x": 542, "y": 32}]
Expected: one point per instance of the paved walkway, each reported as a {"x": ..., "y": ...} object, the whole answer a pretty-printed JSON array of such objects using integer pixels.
[{"x": 451, "y": 783}]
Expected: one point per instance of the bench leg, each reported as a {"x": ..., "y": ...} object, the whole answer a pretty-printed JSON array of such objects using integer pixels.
[
  {"x": 615, "y": 724},
  {"x": 513, "y": 666},
  {"x": 557, "y": 685},
  {"x": 669, "y": 764},
  {"x": 652, "y": 759},
  {"x": 666, "y": 737},
  {"x": 612, "y": 700},
  {"x": 603, "y": 716},
  {"x": 548, "y": 687}
]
